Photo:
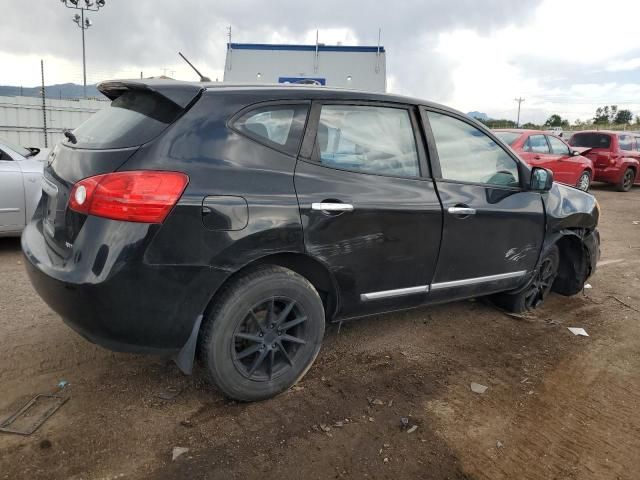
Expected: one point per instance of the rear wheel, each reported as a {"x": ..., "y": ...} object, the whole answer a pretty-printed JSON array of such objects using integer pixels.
[
  {"x": 627, "y": 180},
  {"x": 535, "y": 293},
  {"x": 263, "y": 334},
  {"x": 584, "y": 182}
]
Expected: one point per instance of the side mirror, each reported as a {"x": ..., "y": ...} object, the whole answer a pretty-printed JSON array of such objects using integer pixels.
[{"x": 541, "y": 179}]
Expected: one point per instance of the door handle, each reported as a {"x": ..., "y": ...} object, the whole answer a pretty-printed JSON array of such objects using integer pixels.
[
  {"x": 537, "y": 157},
  {"x": 332, "y": 207},
  {"x": 461, "y": 211}
]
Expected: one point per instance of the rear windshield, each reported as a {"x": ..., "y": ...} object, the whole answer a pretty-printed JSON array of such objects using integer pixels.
[
  {"x": 134, "y": 118},
  {"x": 508, "y": 137},
  {"x": 590, "y": 140}
]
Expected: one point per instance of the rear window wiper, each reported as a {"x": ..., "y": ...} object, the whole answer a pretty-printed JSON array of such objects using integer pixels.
[{"x": 70, "y": 136}]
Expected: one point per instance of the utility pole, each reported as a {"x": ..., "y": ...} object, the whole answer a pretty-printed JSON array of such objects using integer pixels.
[
  {"x": 519, "y": 100},
  {"x": 44, "y": 110}
]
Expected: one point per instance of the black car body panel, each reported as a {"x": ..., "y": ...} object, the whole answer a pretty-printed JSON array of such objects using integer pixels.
[{"x": 142, "y": 287}]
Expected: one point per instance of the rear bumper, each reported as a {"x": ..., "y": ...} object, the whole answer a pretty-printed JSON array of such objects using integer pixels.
[{"x": 112, "y": 297}]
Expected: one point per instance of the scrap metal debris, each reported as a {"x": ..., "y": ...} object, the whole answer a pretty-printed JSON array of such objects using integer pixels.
[
  {"x": 404, "y": 423},
  {"x": 33, "y": 414},
  {"x": 578, "y": 331},
  {"x": 177, "y": 451},
  {"x": 478, "y": 388}
]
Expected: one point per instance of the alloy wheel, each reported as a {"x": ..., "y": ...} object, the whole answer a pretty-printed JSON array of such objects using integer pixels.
[
  {"x": 266, "y": 341},
  {"x": 541, "y": 284},
  {"x": 584, "y": 182},
  {"x": 627, "y": 182}
]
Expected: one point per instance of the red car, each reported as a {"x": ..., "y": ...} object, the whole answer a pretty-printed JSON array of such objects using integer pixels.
[
  {"x": 541, "y": 149},
  {"x": 615, "y": 156}
]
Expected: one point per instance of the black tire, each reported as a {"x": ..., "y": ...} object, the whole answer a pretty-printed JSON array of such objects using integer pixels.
[
  {"x": 537, "y": 290},
  {"x": 263, "y": 334},
  {"x": 627, "y": 180},
  {"x": 584, "y": 182}
]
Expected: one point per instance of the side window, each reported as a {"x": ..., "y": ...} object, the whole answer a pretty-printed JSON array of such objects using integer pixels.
[
  {"x": 367, "y": 139},
  {"x": 280, "y": 126},
  {"x": 638, "y": 144},
  {"x": 558, "y": 147},
  {"x": 625, "y": 142},
  {"x": 4, "y": 156},
  {"x": 536, "y": 144},
  {"x": 467, "y": 154}
]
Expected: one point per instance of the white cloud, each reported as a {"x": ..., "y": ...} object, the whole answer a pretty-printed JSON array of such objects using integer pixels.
[
  {"x": 546, "y": 61},
  {"x": 624, "y": 65}
]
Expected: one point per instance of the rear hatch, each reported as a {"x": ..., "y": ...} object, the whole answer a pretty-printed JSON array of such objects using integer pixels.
[
  {"x": 599, "y": 145},
  {"x": 138, "y": 113}
]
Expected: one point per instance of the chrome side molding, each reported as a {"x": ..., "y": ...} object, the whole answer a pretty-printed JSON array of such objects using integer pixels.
[
  {"x": 394, "y": 293},
  {"x": 473, "y": 281}
]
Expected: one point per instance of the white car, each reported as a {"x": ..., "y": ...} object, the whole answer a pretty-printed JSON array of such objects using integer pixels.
[
  {"x": 20, "y": 186},
  {"x": 556, "y": 131}
]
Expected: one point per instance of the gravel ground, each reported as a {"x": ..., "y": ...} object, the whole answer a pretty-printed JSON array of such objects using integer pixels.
[{"x": 557, "y": 405}]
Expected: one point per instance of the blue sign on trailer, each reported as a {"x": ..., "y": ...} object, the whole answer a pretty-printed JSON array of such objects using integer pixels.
[{"x": 321, "y": 81}]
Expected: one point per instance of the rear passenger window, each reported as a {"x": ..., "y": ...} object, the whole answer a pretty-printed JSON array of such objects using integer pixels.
[
  {"x": 367, "y": 139},
  {"x": 625, "y": 142},
  {"x": 558, "y": 147},
  {"x": 279, "y": 126},
  {"x": 536, "y": 144}
]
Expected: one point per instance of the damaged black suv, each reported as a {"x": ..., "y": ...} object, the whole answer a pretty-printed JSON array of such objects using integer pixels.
[{"x": 230, "y": 222}]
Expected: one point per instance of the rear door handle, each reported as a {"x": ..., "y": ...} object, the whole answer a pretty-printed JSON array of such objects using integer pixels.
[
  {"x": 461, "y": 211},
  {"x": 332, "y": 207}
]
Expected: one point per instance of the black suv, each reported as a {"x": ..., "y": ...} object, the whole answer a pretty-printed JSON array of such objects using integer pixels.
[{"x": 232, "y": 221}]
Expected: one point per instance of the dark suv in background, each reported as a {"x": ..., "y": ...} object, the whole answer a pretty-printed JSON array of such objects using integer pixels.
[
  {"x": 232, "y": 221},
  {"x": 615, "y": 156}
]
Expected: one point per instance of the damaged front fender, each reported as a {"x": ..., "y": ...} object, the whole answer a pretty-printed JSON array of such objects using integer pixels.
[
  {"x": 572, "y": 219},
  {"x": 570, "y": 208}
]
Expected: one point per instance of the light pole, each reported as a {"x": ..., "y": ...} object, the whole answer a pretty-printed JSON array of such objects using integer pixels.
[{"x": 83, "y": 24}]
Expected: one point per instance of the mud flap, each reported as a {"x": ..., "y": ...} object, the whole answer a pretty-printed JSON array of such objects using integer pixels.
[{"x": 186, "y": 356}]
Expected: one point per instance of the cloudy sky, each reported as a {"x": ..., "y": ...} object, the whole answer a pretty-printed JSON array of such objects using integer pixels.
[{"x": 562, "y": 56}]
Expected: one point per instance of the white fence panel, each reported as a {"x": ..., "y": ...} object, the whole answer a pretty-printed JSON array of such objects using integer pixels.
[{"x": 21, "y": 119}]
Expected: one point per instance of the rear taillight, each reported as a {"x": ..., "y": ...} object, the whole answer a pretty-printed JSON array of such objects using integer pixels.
[{"x": 138, "y": 196}]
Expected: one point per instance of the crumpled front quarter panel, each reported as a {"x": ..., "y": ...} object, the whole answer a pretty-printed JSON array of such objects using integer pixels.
[{"x": 568, "y": 207}]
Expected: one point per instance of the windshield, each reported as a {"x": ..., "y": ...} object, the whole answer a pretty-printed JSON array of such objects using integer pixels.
[
  {"x": 508, "y": 137},
  {"x": 134, "y": 118},
  {"x": 16, "y": 148},
  {"x": 590, "y": 140}
]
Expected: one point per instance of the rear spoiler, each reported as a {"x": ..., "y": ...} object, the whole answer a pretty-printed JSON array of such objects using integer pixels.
[{"x": 180, "y": 93}]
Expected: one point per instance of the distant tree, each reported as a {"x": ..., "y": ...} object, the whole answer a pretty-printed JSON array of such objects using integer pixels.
[
  {"x": 500, "y": 123},
  {"x": 605, "y": 115},
  {"x": 637, "y": 122},
  {"x": 531, "y": 126},
  {"x": 602, "y": 116},
  {"x": 623, "y": 117},
  {"x": 613, "y": 112},
  {"x": 556, "y": 120}
]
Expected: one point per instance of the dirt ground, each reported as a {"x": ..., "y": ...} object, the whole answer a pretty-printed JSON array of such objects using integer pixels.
[{"x": 557, "y": 405}]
